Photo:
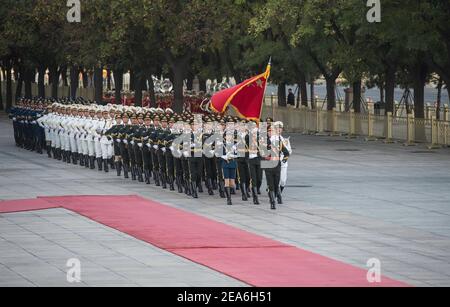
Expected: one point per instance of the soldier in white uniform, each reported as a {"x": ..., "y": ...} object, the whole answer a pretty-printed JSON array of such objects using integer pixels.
[{"x": 284, "y": 165}]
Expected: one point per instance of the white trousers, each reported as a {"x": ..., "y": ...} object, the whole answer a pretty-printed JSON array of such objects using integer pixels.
[
  {"x": 98, "y": 147},
  {"x": 283, "y": 175},
  {"x": 106, "y": 147}
]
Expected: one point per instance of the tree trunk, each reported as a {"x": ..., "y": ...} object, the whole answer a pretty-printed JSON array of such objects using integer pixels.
[
  {"x": 438, "y": 100},
  {"x": 381, "y": 93},
  {"x": 54, "y": 80},
  {"x": 357, "y": 96},
  {"x": 313, "y": 95},
  {"x": 178, "y": 78},
  {"x": 41, "y": 80},
  {"x": 151, "y": 92},
  {"x": 138, "y": 91},
  {"x": 282, "y": 94},
  {"x": 202, "y": 85},
  {"x": 132, "y": 80},
  {"x": 1, "y": 90},
  {"x": 108, "y": 79},
  {"x": 303, "y": 91},
  {"x": 19, "y": 83},
  {"x": 419, "y": 90},
  {"x": 64, "y": 75},
  {"x": 118, "y": 84},
  {"x": 28, "y": 78},
  {"x": 390, "y": 88},
  {"x": 331, "y": 93},
  {"x": 8, "y": 88},
  {"x": 74, "y": 73},
  {"x": 85, "y": 78},
  {"x": 190, "y": 82},
  {"x": 98, "y": 84}
]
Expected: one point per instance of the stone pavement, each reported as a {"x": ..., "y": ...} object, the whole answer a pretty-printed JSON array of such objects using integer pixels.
[{"x": 347, "y": 199}]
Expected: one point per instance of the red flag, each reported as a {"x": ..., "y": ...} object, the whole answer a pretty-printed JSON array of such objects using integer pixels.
[{"x": 246, "y": 98}]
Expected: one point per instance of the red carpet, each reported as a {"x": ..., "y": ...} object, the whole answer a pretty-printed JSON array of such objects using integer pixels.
[{"x": 248, "y": 257}]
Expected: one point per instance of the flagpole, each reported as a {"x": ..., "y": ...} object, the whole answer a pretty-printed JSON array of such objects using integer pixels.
[{"x": 267, "y": 75}]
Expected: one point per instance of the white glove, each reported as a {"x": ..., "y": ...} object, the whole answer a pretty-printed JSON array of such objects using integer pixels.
[
  {"x": 148, "y": 145},
  {"x": 163, "y": 149},
  {"x": 132, "y": 142},
  {"x": 185, "y": 154},
  {"x": 155, "y": 146},
  {"x": 171, "y": 148},
  {"x": 118, "y": 141},
  {"x": 125, "y": 141},
  {"x": 252, "y": 156},
  {"x": 140, "y": 145}
]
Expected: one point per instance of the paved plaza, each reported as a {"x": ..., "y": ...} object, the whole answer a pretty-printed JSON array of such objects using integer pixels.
[{"x": 347, "y": 199}]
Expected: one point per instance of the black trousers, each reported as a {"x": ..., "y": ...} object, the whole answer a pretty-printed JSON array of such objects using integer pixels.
[
  {"x": 124, "y": 153},
  {"x": 273, "y": 177},
  {"x": 219, "y": 173},
  {"x": 243, "y": 171},
  {"x": 210, "y": 168},
  {"x": 255, "y": 172},
  {"x": 138, "y": 155},
  {"x": 131, "y": 154},
  {"x": 178, "y": 164},
  {"x": 146, "y": 158},
  {"x": 170, "y": 163},
  {"x": 186, "y": 170},
  {"x": 196, "y": 168},
  {"x": 154, "y": 158},
  {"x": 162, "y": 161}
]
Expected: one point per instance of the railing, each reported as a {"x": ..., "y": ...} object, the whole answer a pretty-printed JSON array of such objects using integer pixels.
[{"x": 408, "y": 129}]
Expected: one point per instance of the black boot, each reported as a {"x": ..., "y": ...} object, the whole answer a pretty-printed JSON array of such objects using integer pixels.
[
  {"x": 105, "y": 166},
  {"x": 272, "y": 200},
  {"x": 156, "y": 178},
  {"x": 64, "y": 155},
  {"x": 214, "y": 184},
  {"x": 281, "y": 189},
  {"x": 247, "y": 189},
  {"x": 278, "y": 195},
  {"x": 258, "y": 190},
  {"x": 54, "y": 152},
  {"x": 179, "y": 184},
  {"x": 222, "y": 189},
  {"x": 139, "y": 174},
  {"x": 125, "y": 170},
  {"x": 49, "y": 151},
  {"x": 60, "y": 154},
  {"x": 163, "y": 180},
  {"x": 209, "y": 185},
  {"x": 69, "y": 157},
  {"x": 255, "y": 196},
  {"x": 147, "y": 176},
  {"x": 194, "y": 190},
  {"x": 244, "y": 192},
  {"x": 133, "y": 172},
  {"x": 100, "y": 164},
  {"x": 232, "y": 191},
  {"x": 171, "y": 183},
  {"x": 86, "y": 161},
  {"x": 112, "y": 165},
  {"x": 228, "y": 194},
  {"x": 118, "y": 168},
  {"x": 75, "y": 158},
  {"x": 187, "y": 188},
  {"x": 200, "y": 186},
  {"x": 81, "y": 158},
  {"x": 92, "y": 162}
]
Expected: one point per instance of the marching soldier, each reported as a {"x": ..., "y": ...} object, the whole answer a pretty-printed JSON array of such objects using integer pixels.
[{"x": 278, "y": 154}]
